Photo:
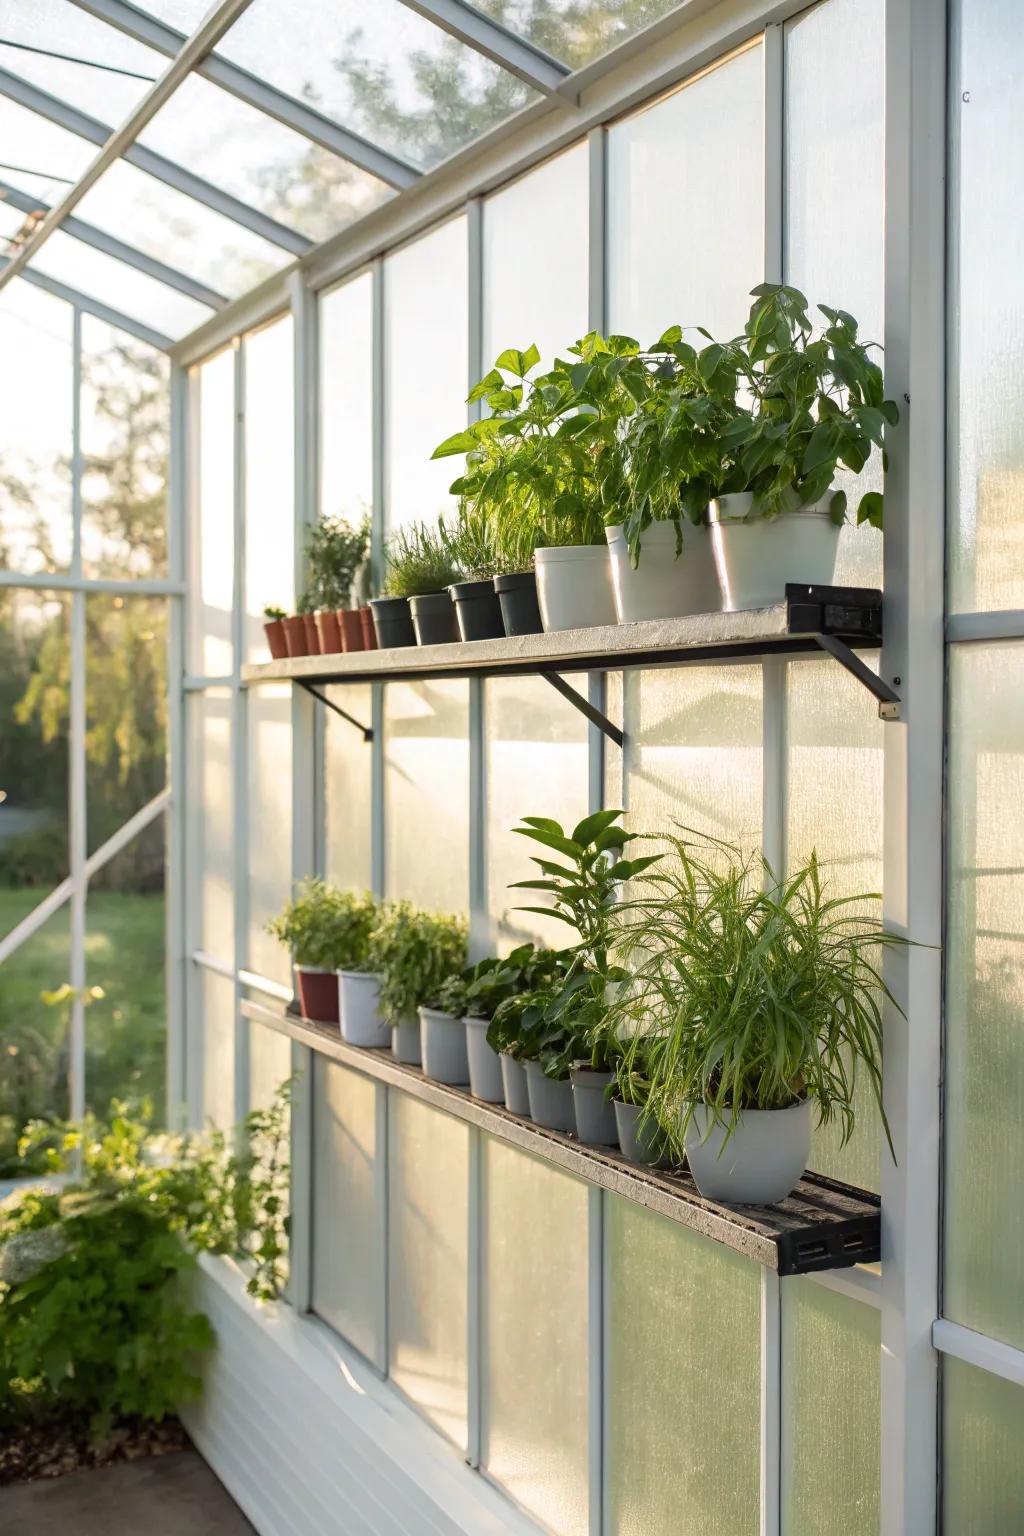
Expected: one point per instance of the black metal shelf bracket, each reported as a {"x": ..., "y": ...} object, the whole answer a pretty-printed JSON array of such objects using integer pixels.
[
  {"x": 584, "y": 706},
  {"x": 888, "y": 698},
  {"x": 330, "y": 704},
  {"x": 839, "y": 618}
]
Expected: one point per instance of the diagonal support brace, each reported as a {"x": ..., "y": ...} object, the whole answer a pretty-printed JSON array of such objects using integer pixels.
[
  {"x": 889, "y": 703},
  {"x": 584, "y": 706},
  {"x": 330, "y": 704}
]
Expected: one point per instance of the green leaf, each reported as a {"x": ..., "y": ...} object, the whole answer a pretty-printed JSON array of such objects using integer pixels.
[
  {"x": 870, "y": 509},
  {"x": 588, "y": 829},
  {"x": 837, "y": 508},
  {"x": 459, "y": 442},
  {"x": 551, "y": 840}
]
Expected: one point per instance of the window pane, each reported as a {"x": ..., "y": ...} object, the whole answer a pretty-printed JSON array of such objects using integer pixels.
[
  {"x": 427, "y": 1260},
  {"x": 33, "y": 1036},
  {"x": 49, "y": 158},
  {"x": 835, "y": 75},
  {"x": 346, "y": 1213},
  {"x": 426, "y": 337},
  {"x": 211, "y": 774},
  {"x": 381, "y": 69},
  {"x": 552, "y": 313},
  {"x": 211, "y": 587},
  {"x": 694, "y": 160},
  {"x": 125, "y": 426},
  {"x": 575, "y": 31},
  {"x": 270, "y": 1064},
  {"x": 831, "y": 1405},
  {"x": 426, "y": 792},
  {"x": 346, "y": 399},
  {"x": 126, "y": 715},
  {"x": 984, "y": 1074},
  {"x": 986, "y": 545},
  {"x": 36, "y": 406},
  {"x": 269, "y": 857},
  {"x": 121, "y": 287},
  {"x": 983, "y": 1430},
  {"x": 60, "y": 25},
  {"x": 535, "y": 1337},
  {"x": 269, "y": 478},
  {"x": 211, "y": 1050},
  {"x": 348, "y": 789},
  {"x": 682, "y": 1348}
]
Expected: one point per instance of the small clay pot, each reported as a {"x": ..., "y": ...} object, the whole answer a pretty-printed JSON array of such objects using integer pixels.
[
  {"x": 276, "y": 639},
  {"x": 328, "y": 631},
  {"x": 312, "y": 638},
  {"x": 295, "y": 635},
  {"x": 351, "y": 627},
  {"x": 369, "y": 632}
]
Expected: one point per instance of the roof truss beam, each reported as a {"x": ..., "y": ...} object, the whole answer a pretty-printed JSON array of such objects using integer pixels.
[
  {"x": 295, "y": 114},
  {"x": 495, "y": 42},
  {"x": 90, "y": 306}
]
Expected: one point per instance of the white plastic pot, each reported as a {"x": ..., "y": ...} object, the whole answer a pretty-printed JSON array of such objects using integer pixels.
[
  {"x": 663, "y": 585},
  {"x": 760, "y": 1163},
  {"x": 361, "y": 1023},
  {"x": 513, "y": 1078},
  {"x": 443, "y": 1046},
  {"x": 405, "y": 1042},
  {"x": 639, "y": 1142},
  {"x": 551, "y": 1102},
  {"x": 595, "y": 1114},
  {"x": 755, "y": 560},
  {"x": 485, "y": 1079},
  {"x": 574, "y": 587}
]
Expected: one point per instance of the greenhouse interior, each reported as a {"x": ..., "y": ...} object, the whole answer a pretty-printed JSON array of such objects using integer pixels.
[{"x": 511, "y": 516}]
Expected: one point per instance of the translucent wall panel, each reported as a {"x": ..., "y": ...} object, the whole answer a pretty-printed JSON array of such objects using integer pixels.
[
  {"x": 269, "y": 477},
  {"x": 211, "y": 1049},
  {"x": 270, "y": 1064},
  {"x": 211, "y": 586},
  {"x": 834, "y": 774},
  {"x": 33, "y": 1036},
  {"x": 691, "y": 162},
  {"x": 36, "y": 405},
  {"x": 347, "y": 1214},
  {"x": 983, "y": 1473},
  {"x": 427, "y": 1259},
  {"x": 835, "y": 70},
  {"x": 986, "y": 546},
  {"x": 348, "y": 789},
  {"x": 534, "y": 1336},
  {"x": 269, "y": 855},
  {"x": 426, "y": 344},
  {"x": 682, "y": 1379},
  {"x": 551, "y": 313},
  {"x": 830, "y": 1413},
  {"x": 346, "y": 399},
  {"x": 536, "y": 765},
  {"x": 211, "y": 774},
  {"x": 426, "y": 792},
  {"x": 984, "y": 1076}
]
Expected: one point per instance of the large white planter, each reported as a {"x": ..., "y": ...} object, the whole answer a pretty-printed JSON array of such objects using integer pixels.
[
  {"x": 662, "y": 585},
  {"x": 755, "y": 560},
  {"x": 443, "y": 1046},
  {"x": 359, "y": 997},
  {"x": 574, "y": 587},
  {"x": 759, "y": 1164}
]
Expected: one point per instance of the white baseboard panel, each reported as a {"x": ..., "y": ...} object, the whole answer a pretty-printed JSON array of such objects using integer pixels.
[{"x": 308, "y": 1440}]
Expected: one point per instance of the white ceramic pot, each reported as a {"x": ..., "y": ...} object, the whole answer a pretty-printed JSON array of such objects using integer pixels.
[
  {"x": 485, "y": 1079},
  {"x": 443, "y": 1046},
  {"x": 755, "y": 560},
  {"x": 760, "y": 1163},
  {"x": 663, "y": 585},
  {"x": 405, "y": 1043},
  {"x": 361, "y": 1024},
  {"x": 574, "y": 587}
]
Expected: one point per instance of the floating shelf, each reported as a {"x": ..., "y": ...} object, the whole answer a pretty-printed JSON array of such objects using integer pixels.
[{"x": 821, "y": 1225}]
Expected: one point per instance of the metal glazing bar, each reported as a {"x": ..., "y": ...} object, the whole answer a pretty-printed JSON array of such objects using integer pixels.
[
  {"x": 584, "y": 706},
  {"x": 81, "y": 301},
  {"x": 366, "y": 729},
  {"x": 495, "y": 42},
  {"x": 888, "y": 698},
  {"x": 53, "y": 581},
  {"x": 34, "y": 920}
]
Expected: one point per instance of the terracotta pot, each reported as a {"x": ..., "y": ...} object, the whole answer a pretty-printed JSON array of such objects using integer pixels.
[
  {"x": 327, "y": 631},
  {"x": 369, "y": 633},
  {"x": 295, "y": 635},
  {"x": 312, "y": 638},
  {"x": 350, "y": 625},
  {"x": 318, "y": 994},
  {"x": 276, "y": 639}
]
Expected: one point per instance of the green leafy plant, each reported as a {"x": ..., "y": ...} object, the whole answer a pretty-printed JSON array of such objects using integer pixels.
[
  {"x": 516, "y": 1026},
  {"x": 419, "y": 561},
  {"x": 307, "y": 602},
  {"x": 274, "y": 615},
  {"x": 326, "y": 929},
  {"x": 481, "y": 989},
  {"x": 335, "y": 550},
  {"x": 414, "y": 953}
]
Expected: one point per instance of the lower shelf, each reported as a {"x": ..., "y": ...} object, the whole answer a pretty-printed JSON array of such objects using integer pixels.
[{"x": 821, "y": 1225}]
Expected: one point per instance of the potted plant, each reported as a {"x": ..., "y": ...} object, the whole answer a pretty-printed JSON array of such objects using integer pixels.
[
  {"x": 295, "y": 638},
  {"x": 415, "y": 953},
  {"x": 335, "y": 551},
  {"x": 641, "y": 1139},
  {"x": 815, "y": 402},
  {"x": 307, "y": 613},
  {"x": 273, "y": 628},
  {"x": 768, "y": 998},
  {"x": 473, "y": 544},
  {"x": 358, "y": 987},
  {"x": 319, "y": 926},
  {"x": 416, "y": 608},
  {"x": 475, "y": 997}
]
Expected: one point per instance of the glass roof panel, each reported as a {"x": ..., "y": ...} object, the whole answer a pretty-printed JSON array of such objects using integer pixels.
[
  {"x": 179, "y": 231},
  {"x": 259, "y": 160},
  {"x": 38, "y": 157},
  {"x": 379, "y": 69},
  {"x": 183, "y": 14},
  {"x": 10, "y": 225},
  {"x": 65, "y": 28},
  {"x": 575, "y": 31},
  {"x": 123, "y": 288}
]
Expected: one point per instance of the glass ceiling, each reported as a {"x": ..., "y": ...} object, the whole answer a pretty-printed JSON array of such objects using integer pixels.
[{"x": 247, "y": 176}]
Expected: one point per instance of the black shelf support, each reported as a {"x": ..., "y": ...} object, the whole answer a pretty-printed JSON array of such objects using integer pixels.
[
  {"x": 330, "y": 704},
  {"x": 584, "y": 706},
  {"x": 888, "y": 698},
  {"x": 839, "y": 618}
]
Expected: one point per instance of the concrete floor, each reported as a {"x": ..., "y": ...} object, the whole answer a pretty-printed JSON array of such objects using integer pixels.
[{"x": 175, "y": 1495}]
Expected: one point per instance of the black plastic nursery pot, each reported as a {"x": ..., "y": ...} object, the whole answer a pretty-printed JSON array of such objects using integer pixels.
[
  {"x": 433, "y": 618},
  {"x": 392, "y": 622},
  {"x": 520, "y": 610},
  {"x": 478, "y": 610}
]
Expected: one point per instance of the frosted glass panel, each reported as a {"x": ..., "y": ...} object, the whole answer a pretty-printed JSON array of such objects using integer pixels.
[
  {"x": 212, "y": 806},
  {"x": 124, "y": 288},
  {"x": 835, "y": 808},
  {"x": 212, "y": 583},
  {"x": 427, "y": 1213},
  {"x": 983, "y": 1471},
  {"x": 551, "y": 313},
  {"x": 693, "y": 751},
  {"x": 986, "y": 545},
  {"x": 831, "y": 1406},
  {"x": 348, "y": 789},
  {"x": 426, "y": 792},
  {"x": 683, "y": 1379},
  {"x": 211, "y": 1050},
  {"x": 536, "y": 766},
  {"x": 984, "y": 1124},
  {"x": 347, "y": 1217},
  {"x": 575, "y": 31},
  {"x": 534, "y": 1331},
  {"x": 835, "y": 137},
  {"x": 269, "y": 478},
  {"x": 346, "y": 400},
  {"x": 425, "y": 374},
  {"x": 61, "y": 27},
  {"x": 269, "y": 856},
  {"x": 270, "y": 1064},
  {"x": 36, "y": 401},
  {"x": 692, "y": 162}
]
